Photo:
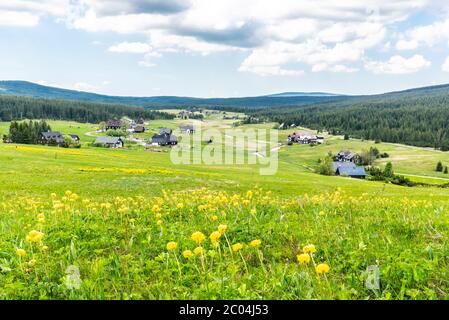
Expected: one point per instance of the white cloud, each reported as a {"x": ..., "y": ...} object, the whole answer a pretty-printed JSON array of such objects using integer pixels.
[
  {"x": 27, "y": 13},
  {"x": 445, "y": 66},
  {"x": 131, "y": 47},
  {"x": 428, "y": 35},
  {"x": 18, "y": 19},
  {"x": 325, "y": 35},
  {"x": 398, "y": 65}
]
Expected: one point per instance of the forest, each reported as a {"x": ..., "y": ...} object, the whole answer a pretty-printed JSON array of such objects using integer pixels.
[
  {"x": 419, "y": 118},
  {"x": 18, "y": 108}
]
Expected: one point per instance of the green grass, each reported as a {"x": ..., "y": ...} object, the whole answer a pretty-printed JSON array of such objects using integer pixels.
[{"x": 110, "y": 229}]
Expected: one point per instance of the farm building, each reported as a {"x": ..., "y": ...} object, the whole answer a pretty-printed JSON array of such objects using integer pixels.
[
  {"x": 139, "y": 129},
  {"x": 303, "y": 138},
  {"x": 347, "y": 156},
  {"x": 52, "y": 137},
  {"x": 75, "y": 138},
  {"x": 349, "y": 169},
  {"x": 110, "y": 142},
  {"x": 165, "y": 131},
  {"x": 164, "y": 139},
  {"x": 114, "y": 125},
  {"x": 187, "y": 129}
]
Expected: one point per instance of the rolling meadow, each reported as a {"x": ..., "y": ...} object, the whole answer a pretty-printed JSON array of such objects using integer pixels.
[{"x": 95, "y": 223}]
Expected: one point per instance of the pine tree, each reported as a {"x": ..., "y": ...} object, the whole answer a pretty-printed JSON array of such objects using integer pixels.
[{"x": 439, "y": 167}]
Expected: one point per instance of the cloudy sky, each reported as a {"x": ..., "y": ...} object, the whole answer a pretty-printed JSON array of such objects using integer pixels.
[{"x": 223, "y": 48}]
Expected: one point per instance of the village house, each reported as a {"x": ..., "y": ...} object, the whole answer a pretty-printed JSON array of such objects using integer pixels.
[
  {"x": 110, "y": 142},
  {"x": 164, "y": 139},
  {"x": 348, "y": 156},
  {"x": 139, "y": 129},
  {"x": 52, "y": 137},
  {"x": 114, "y": 125},
  {"x": 349, "y": 169},
  {"x": 75, "y": 138},
  {"x": 187, "y": 129},
  {"x": 304, "y": 138}
]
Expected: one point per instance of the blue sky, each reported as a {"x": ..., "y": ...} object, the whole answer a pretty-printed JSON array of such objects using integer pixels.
[{"x": 218, "y": 48}]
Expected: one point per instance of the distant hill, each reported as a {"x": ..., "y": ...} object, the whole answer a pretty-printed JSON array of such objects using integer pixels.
[
  {"x": 304, "y": 94},
  {"x": 29, "y": 89},
  {"x": 418, "y": 117}
]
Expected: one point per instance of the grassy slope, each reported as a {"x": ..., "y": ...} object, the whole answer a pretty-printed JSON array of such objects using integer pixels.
[{"x": 41, "y": 170}]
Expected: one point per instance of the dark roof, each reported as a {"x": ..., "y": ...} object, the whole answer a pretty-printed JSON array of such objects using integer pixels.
[
  {"x": 108, "y": 140},
  {"x": 165, "y": 131},
  {"x": 345, "y": 165},
  {"x": 164, "y": 138},
  {"x": 56, "y": 135},
  {"x": 74, "y": 136},
  {"x": 114, "y": 123},
  {"x": 352, "y": 172}
]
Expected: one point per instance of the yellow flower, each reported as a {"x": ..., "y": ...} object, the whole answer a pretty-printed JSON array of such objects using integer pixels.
[
  {"x": 171, "y": 246},
  {"x": 303, "y": 258},
  {"x": 21, "y": 252},
  {"x": 158, "y": 216},
  {"x": 253, "y": 211},
  {"x": 214, "y": 218},
  {"x": 53, "y": 195},
  {"x": 214, "y": 236},
  {"x": 34, "y": 236},
  {"x": 309, "y": 248},
  {"x": 180, "y": 205},
  {"x": 321, "y": 213},
  {"x": 222, "y": 228},
  {"x": 32, "y": 262},
  {"x": 45, "y": 248},
  {"x": 156, "y": 208},
  {"x": 159, "y": 222},
  {"x": 322, "y": 268},
  {"x": 187, "y": 254},
  {"x": 237, "y": 247},
  {"x": 198, "y": 250},
  {"x": 198, "y": 237},
  {"x": 255, "y": 243}
]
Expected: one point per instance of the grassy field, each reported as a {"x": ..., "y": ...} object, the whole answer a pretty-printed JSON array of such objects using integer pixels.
[{"x": 113, "y": 214}]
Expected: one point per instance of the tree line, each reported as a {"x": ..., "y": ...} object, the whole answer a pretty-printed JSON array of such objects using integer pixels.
[
  {"x": 414, "y": 119},
  {"x": 18, "y": 108},
  {"x": 26, "y": 132}
]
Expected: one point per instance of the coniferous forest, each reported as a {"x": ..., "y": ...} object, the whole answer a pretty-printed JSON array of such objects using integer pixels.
[
  {"x": 419, "y": 119},
  {"x": 18, "y": 108}
]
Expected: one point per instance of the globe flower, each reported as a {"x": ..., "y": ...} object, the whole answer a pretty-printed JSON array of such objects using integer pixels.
[
  {"x": 171, "y": 246},
  {"x": 34, "y": 236},
  {"x": 309, "y": 248},
  {"x": 255, "y": 243},
  {"x": 198, "y": 250},
  {"x": 198, "y": 237},
  {"x": 187, "y": 254},
  {"x": 322, "y": 268},
  {"x": 222, "y": 228},
  {"x": 215, "y": 236},
  {"x": 303, "y": 258},
  {"x": 237, "y": 247},
  {"x": 21, "y": 252}
]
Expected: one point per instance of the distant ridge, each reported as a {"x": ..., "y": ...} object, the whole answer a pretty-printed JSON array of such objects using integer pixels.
[
  {"x": 285, "y": 99},
  {"x": 29, "y": 89},
  {"x": 304, "y": 94}
]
